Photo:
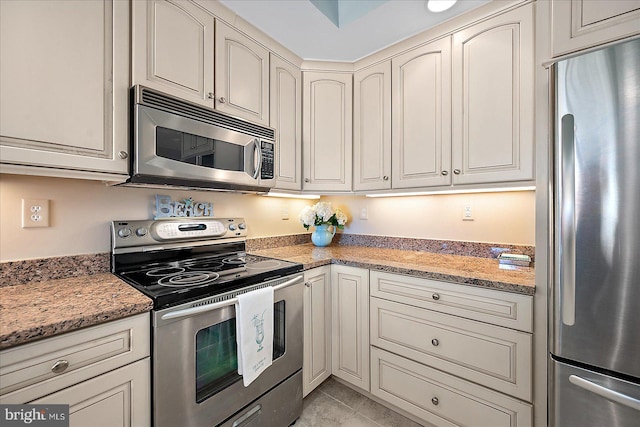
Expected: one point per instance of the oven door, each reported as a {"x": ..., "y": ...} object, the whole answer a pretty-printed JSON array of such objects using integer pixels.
[
  {"x": 195, "y": 380},
  {"x": 174, "y": 147}
]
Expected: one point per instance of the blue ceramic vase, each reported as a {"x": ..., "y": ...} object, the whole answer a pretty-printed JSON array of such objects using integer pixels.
[{"x": 322, "y": 236}]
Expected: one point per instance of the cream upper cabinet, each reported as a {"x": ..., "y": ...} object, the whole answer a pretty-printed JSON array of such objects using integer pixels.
[
  {"x": 493, "y": 100},
  {"x": 286, "y": 118},
  {"x": 316, "y": 366},
  {"x": 327, "y": 131},
  {"x": 580, "y": 24},
  {"x": 64, "y": 80},
  {"x": 422, "y": 116},
  {"x": 350, "y": 315},
  {"x": 173, "y": 49},
  {"x": 241, "y": 76},
  {"x": 372, "y": 128}
]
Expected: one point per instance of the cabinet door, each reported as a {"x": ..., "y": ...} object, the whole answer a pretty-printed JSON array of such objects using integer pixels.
[
  {"x": 493, "y": 100},
  {"x": 64, "y": 78},
  {"x": 326, "y": 131},
  {"x": 580, "y": 24},
  {"x": 350, "y": 314},
  {"x": 422, "y": 116},
  {"x": 118, "y": 398},
  {"x": 316, "y": 365},
  {"x": 372, "y": 128},
  {"x": 286, "y": 118},
  {"x": 242, "y": 75},
  {"x": 173, "y": 49}
]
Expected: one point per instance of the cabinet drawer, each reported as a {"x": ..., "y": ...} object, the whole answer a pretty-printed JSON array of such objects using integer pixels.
[
  {"x": 486, "y": 305},
  {"x": 496, "y": 357},
  {"x": 27, "y": 371},
  {"x": 441, "y": 399}
]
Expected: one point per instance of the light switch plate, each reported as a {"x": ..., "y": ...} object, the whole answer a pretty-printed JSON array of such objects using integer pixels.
[{"x": 35, "y": 213}]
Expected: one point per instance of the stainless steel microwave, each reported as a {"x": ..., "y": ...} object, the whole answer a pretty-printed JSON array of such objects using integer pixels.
[{"x": 179, "y": 144}]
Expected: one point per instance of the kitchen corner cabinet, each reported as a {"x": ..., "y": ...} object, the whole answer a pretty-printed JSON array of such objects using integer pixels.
[
  {"x": 372, "y": 128},
  {"x": 241, "y": 75},
  {"x": 581, "y": 24},
  {"x": 286, "y": 118},
  {"x": 316, "y": 365},
  {"x": 493, "y": 99},
  {"x": 64, "y": 79},
  {"x": 350, "y": 324},
  {"x": 327, "y": 131},
  {"x": 173, "y": 49},
  {"x": 102, "y": 372},
  {"x": 422, "y": 116}
]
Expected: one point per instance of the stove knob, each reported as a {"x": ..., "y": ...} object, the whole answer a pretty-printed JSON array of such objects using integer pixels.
[
  {"x": 124, "y": 232},
  {"x": 242, "y": 226},
  {"x": 232, "y": 227},
  {"x": 141, "y": 232}
]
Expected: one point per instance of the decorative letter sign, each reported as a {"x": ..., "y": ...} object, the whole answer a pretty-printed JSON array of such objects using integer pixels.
[{"x": 167, "y": 208}]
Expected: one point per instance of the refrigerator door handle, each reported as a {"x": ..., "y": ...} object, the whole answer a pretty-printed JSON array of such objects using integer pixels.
[
  {"x": 567, "y": 221},
  {"x": 609, "y": 394}
]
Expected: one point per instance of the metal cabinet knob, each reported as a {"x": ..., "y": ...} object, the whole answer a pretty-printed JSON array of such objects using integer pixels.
[
  {"x": 210, "y": 95},
  {"x": 444, "y": 173},
  {"x": 123, "y": 154},
  {"x": 307, "y": 180},
  {"x": 435, "y": 297},
  {"x": 386, "y": 178},
  {"x": 222, "y": 100},
  {"x": 456, "y": 171},
  {"x": 435, "y": 342},
  {"x": 60, "y": 366},
  {"x": 435, "y": 400},
  {"x": 307, "y": 284}
]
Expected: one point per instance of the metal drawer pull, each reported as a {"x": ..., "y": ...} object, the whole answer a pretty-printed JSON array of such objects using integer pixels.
[
  {"x": 248, "y": 417},
  {"x": 435, "y": 342},
  {"x": 307, "y": 284},
  {"x": 435, "y": 297},
  {"x": 60, "y": 366},
  {"x": 435, "y": 400},
  {"x": 607, "y": 393}
]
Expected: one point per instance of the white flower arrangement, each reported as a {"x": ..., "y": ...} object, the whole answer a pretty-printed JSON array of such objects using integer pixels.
[{"x": 322, "y": 213}]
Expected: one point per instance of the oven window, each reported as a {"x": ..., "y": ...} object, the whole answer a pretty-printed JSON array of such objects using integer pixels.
[
  {"x": 217, "y": 354},
  {"x": 198, "y": 150}
]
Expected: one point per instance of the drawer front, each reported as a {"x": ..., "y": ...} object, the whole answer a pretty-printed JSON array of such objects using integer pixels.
[
  {"x": 48, "y": 365},
  {"x": 441, "y": 399},
  {"x": 493, "y": 356},
  {"x": 486, "y": 305}
]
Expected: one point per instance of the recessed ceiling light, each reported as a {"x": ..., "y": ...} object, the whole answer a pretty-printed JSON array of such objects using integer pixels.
[{"x": 439, "y": 5}]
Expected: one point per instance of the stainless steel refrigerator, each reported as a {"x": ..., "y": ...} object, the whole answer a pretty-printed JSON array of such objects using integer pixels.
[{"x": 595, "y": 338}]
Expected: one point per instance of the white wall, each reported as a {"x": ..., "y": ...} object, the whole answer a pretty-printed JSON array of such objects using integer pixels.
[{"x": 81, "y": 212}]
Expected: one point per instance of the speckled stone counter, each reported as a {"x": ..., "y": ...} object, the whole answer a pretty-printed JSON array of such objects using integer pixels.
[
  {"x": 42, "y": 309},
  {"x": 483, "y": 272}
]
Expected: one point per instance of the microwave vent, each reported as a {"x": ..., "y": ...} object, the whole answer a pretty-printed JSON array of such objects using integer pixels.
[{"x": 202, "y": 114}]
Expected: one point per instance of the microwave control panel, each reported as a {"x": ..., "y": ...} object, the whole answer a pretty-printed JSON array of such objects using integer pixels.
[{"x": 266, "y": 171}]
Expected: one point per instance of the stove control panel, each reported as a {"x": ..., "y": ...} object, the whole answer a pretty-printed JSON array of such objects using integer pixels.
[{"x": 125, "y": 234}]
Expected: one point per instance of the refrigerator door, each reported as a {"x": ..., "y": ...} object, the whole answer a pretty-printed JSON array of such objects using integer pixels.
[
  {"x": 583, "y": 398},
  {"x": 597, "y": 208}
]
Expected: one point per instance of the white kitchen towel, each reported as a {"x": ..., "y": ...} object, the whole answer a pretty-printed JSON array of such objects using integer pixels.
[{"x": 254, "y": 333}]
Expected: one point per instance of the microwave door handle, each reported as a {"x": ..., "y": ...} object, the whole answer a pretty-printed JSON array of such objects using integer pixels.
[
  {"x": 257, "y": 154},
  {"x": 232, "y": 301}
]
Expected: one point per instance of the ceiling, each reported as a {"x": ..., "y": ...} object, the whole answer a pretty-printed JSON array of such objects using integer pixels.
[{"x": 367, "y": 25}]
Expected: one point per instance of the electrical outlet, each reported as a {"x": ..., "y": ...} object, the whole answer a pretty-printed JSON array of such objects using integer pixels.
[
  {"x": 35, "y": 213},
  {"x": 285, "y": 213},
  {"x": 364, "y": 214},
  {"x": 467, "y": 213}
]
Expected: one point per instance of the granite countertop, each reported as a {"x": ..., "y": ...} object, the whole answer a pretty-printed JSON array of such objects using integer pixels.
[
  {"x": 482, "y": 272},
  {"x": 38, "y": 310}
]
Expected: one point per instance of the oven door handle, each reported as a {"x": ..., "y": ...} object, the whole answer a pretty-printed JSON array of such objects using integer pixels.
[{"x": 232, "y": 301}]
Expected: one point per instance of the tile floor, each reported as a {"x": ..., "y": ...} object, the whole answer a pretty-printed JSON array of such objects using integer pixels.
[{"x": 335, "y": 405}]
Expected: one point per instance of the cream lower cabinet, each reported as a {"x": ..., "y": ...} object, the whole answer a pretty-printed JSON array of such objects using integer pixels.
[
  {"x": 350, "y": 327},
  {"x": 451, "y": 354},
  {"x": 326, "y": 131},
  {"x": 64, "y": 79},
  {"x": 102, "y": 372},
  {"x": 316, "y": 365},
  {"x": 493, "y": 100},
  {"x": 581, "y": 24}
]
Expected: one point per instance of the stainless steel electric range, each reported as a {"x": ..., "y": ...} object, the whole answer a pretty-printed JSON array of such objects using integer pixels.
[{"x": 193, "y": 269}]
